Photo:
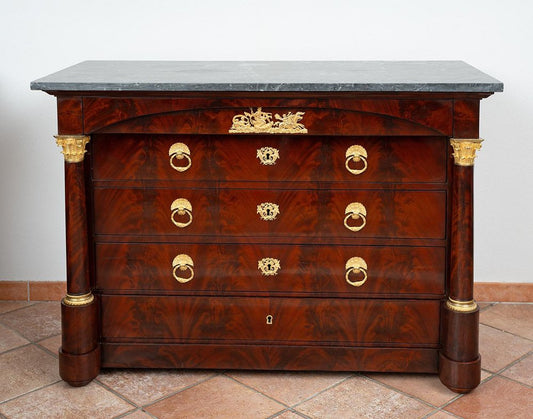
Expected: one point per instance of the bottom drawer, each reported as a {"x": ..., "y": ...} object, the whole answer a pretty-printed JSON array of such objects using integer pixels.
[{"x": 320, "y": 321}]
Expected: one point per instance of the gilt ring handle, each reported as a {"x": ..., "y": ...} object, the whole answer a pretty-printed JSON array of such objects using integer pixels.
[
  {"x": 182, "y": 263},
  {"x": 355, "y": 211},
  {"x": 356, "y": 265},
  {"x": 179, "y": 151},
  {"x": 181, "y": 206},
  {"x": 356, "y": 154}
]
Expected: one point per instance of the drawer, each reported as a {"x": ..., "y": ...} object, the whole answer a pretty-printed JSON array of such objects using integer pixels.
[
  {"x": 336, "y": 322},
  {"x": 268, "y": 212},
  {"x": 269, "y": 158},
  {"x": 270, "y": 269}
]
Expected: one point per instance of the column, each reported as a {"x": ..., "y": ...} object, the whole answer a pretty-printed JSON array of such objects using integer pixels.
[
  {"x": 79, "y": 355},
  {"x": 459, "y": 360}
]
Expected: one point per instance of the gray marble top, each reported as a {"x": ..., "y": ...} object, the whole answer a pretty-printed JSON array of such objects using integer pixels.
[{"x": 271, "y": 76}]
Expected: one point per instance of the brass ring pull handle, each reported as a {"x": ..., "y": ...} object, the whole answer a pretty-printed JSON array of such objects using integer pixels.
[
  {"x": 356, "y": 154},
  {"x": 354, "y": 266},
  {"x": 179, "y": 151},
  {"x": 181, "y": 207},
  {"x": 182, "y": 263},
  {"x": 355, "y": 211}
]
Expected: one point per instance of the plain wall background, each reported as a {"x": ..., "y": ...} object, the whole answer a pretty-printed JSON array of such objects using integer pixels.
[{"x": 41, "y": 37}]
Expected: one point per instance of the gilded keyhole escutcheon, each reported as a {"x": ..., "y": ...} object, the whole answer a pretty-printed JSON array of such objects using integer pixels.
[
  {"x": 268, "y": 211},
  {"x": 269, "y": 266},
  {"x": 268, "y": 155},
  {"x": 269, "y": 319}
]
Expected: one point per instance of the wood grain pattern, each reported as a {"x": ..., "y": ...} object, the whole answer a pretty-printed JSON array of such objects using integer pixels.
[
  {"x": 336, "y": 116},
  {"x": 269, "y": 357},
  {"x": 211, "y": 319},
  {"x": 69, "y": 115},
  {"x": 466, "y": 118},
  {"x": 233, "y": 212},
  {"x": 302, "y": 158},
  {"x": 78, "y": 278},
  {"x": 230, "y": 269},
  {"x": 120, "y": 240},
  {"x": 462, "y": 235}
]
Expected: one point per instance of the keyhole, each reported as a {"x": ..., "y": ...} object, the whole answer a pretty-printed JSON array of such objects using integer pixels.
[
  {"x": 268, "y": 211},
  {"x": 269, "y": 267},
  {"x": 269, "y": 319},
  {"x": 268, "y": 156}
]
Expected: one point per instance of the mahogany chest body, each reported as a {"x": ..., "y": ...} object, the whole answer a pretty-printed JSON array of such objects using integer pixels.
[{"x": 220, "y": 216}]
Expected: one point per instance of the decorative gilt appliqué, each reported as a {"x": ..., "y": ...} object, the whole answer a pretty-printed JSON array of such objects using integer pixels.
[
  {"x": 268, "y": 155},
  {"x": 73, "y": 146},
  {"x": 268, "y": 211},
  {"x": 269, "y": 266},
  {"x": 464, "y": 150},
  {"x": 262, "y": 122}
]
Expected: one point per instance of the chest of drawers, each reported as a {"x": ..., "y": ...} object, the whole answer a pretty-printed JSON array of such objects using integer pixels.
[{"x": 284, "y": 216}]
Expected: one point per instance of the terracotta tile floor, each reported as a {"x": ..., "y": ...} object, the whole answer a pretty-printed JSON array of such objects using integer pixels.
[{"x": 31, "y": 388}]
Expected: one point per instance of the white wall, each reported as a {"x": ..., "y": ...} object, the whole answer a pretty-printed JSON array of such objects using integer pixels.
[{"x": 40, "y": 37}]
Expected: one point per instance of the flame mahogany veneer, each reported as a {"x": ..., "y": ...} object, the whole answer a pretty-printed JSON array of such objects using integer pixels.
[{"x": 417, "y": 241}]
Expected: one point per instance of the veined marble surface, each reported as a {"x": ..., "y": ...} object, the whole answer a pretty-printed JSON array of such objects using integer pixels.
[{"x": 271, "y": 76}]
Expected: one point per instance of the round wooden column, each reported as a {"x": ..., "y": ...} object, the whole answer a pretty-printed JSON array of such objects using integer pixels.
[
  {"x": 79, "y": 355},
  {"x": 459, "y": 360}
]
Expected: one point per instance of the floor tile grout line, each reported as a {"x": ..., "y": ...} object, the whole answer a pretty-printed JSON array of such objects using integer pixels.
[
  {"x": 511, "y": 364},
  {"x": 106, "y": 387},
  {"x": 506, "y": 331},
  {"x": 404, "y": 393},
  {"x": 129, "y": 412},
  {"x": 513, "y": 380},
  {"x": 294, "y": 406},
  {"x": 55, "y": 355},
  {"x": 303, "y": 401},
  {"x": 16, "y": 332},
  {"x": 32, "y": 303},
  {"x": 18, "y": 347},
  {"x": 297, "y": 413},
  {"x": 442, "y": 410},
  {"x": 257, "y": 391},
  {"x": 19, "y": 333},
  {"x": 144, "y": 406},
  {"x": 30, "y": 392}
]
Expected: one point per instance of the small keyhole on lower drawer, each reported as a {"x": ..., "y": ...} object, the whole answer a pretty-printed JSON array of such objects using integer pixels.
[
  {"x": 268, "y": 156},
  {"x": 268, "y": 211},
  {"x": 269, "y": 319}
]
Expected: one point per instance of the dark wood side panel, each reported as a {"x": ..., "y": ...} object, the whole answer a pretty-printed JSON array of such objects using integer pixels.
[
  {"x": 301, "y": 158},
  {"x": 226, "y": 269},
  {"x": 466, "y": 118},
  {"x": 233, "y": 212},
  {"x": 212, "y": 319},
  {"x": 269, "y": 357},
  {"x": 69, "y": 115},
  {"x": 214, "y": 116}
]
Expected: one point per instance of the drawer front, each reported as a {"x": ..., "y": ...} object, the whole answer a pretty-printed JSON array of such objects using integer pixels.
[
  {"x": 336, "y": 322},
  {"x": 270, "y": 269},
  {"x": 270, "y": 158},
  {"x": 262, "y": 213}
]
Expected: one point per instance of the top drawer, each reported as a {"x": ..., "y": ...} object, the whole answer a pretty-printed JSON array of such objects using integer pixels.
[{"x": 269, "y": 158}]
